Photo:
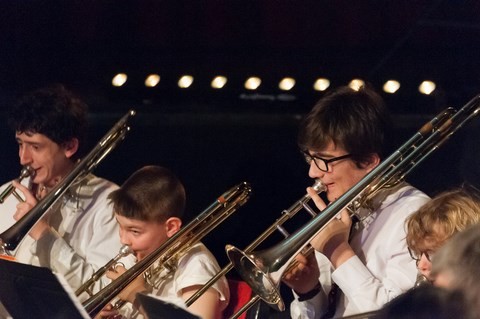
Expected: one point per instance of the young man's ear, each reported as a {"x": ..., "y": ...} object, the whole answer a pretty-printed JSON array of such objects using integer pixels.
[
  {"x": 71, "y": 147},
  {"x": 371, "y": 162},
  {"x": 172, "y": 226}
]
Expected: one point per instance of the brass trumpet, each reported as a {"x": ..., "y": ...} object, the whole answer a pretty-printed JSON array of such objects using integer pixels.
[
  {"x": 10, "y": 190},
  {"x": 263, "y": 270}
]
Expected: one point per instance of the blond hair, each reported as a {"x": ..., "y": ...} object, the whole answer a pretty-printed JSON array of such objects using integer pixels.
[{"x": 446, "y": 214}]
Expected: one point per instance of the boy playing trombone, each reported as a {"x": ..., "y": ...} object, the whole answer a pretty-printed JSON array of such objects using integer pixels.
[{"x": 148, "y": 208}]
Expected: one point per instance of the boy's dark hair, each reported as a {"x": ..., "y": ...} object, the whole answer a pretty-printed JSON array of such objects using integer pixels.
[
  {"x": 152, "y": 193},
  {"x": 358, "y": 121},
  {"x": 54, "y": 112}
]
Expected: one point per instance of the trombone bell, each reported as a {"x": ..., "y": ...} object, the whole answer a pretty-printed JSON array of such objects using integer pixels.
[
  {"x": 263, "y": 270},
  {"x": 262, "y": 283}
]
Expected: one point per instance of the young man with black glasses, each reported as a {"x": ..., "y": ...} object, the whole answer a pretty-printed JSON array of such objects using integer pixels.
[{"x": 343, "y": 138}]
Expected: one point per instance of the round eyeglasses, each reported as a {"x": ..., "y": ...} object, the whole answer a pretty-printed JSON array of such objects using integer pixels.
[
  {"x": 322, "y": 163},
  {"x": 417, "y": 256}
]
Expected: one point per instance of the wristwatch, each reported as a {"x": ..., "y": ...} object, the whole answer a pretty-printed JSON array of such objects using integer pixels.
[{"x": 309, "y": 294}]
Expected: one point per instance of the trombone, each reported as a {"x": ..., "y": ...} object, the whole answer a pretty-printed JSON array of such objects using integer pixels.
[
  {"x": 11, "y": 237},
  {"x": 88, "y": 285},
  {"x": 176, "y": 246},
  {"x": 302, "y": 203},
  {"x": 10, "y": 190},
  {"x": 263, "y": 270}
]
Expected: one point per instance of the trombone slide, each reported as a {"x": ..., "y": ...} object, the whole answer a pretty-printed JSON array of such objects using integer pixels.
[{"x": 263, "y": 270}]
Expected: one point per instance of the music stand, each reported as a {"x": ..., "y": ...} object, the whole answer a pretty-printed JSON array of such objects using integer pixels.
[
  {"x": 158, "y": 309},
  {"x": 34, "y": 292}
]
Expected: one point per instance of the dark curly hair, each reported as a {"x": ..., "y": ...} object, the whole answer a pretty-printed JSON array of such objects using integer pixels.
[{"x": 54, "y": 112}]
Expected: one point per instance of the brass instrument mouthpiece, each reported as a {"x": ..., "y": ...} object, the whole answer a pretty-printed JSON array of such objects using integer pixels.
[
  {"x": 124, "y": 251},
  {"x": 318, "y": 186},
  {"x": 25, "y": 172}
]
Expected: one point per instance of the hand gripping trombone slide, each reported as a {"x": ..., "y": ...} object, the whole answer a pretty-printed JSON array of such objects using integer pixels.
[
  {"x": 263, "y": 270},
  {"x": 176, "y": 246},
  {"x": 11, "y": 237}
]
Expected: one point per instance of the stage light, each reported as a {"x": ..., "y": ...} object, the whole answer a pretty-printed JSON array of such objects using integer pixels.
[
  {"x": 286, "y": 84},
  {"x": 321, "y": 84},
  {"x": 119, "y": 79},
  {"x": 253, "y": 83},
  {"x": 185, "y": 81},
  {"x": 426, "y": 87},
  {"x": 356, "y": 84},
  {"x": 219, "y": 82},
  {"x": 391, "y": 86},
  {"x": 152, "y": 80}
]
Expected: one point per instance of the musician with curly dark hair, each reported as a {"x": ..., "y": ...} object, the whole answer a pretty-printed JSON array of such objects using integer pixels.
[{"x": 78, "y": 235}]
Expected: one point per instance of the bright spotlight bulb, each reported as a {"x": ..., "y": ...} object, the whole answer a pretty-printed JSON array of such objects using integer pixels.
[
  {"x": 253, "y": 83},
  {"x": 321, "y": 84},
  {"x": 391, "y": 86},
  {"x": 152, "y": 80},
  {"x": 185, "y": 81},
  {"x": 219, "y": 82},
  {"x": 356, "y": 84},
  {"x": 427, "y": 87},
  {"x": 286, "y": 84},
  {"x": 119, "y": 79}
]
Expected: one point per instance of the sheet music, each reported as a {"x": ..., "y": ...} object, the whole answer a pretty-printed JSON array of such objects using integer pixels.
[
  {"x": 28, "y": 291},
  {"x": 72, "y": 295},
  {"x": 156, "y": 308}
]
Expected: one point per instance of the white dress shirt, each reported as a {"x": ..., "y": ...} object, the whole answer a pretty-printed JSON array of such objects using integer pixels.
[
  {"x": 382, "y": 268},
  {"x": 83, "y": 236}
]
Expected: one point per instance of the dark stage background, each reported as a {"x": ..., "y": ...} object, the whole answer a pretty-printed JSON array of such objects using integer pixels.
[{"x": 215, "y": 139}]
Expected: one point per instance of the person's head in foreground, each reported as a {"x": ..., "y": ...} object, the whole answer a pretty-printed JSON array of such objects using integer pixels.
[{"x": 456, "y": 266}]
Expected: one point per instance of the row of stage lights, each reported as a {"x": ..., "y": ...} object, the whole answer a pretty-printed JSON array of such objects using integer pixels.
[{"x": 286, "y": 84}]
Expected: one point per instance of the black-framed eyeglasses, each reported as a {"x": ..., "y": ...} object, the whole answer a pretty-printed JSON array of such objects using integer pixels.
[
  {"x": 417, "y": 256},
  {"x": 322, "y": 163}
]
